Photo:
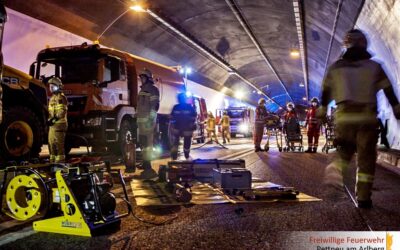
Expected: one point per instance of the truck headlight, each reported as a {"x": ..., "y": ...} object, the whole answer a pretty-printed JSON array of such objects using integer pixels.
[
  {"x": 244, "y": 128},
  {"x": 95, "y": 121}
]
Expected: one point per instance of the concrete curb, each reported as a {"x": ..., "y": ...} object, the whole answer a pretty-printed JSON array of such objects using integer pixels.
[{"x": 389, "y": 160}]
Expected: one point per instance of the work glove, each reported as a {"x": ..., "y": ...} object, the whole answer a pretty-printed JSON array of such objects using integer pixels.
[
  {"x": 51, "y": 121},
  {"x": 396, "y": 111}
]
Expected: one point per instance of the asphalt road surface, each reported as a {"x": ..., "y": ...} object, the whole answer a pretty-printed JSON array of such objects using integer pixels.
[{"x": 260, "y": 226}]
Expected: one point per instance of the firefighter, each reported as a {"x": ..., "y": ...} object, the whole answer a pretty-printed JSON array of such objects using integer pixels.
[
  {"x": 182, "y": 124},
  {"x": 225, "y": 127},
  {"x": 259, "y": 124},
  {"x": 147, "y": 107},
  {"x": 58, "y": 124},
  {"x": 353, "y": 82},
  {"x": 211, "y": 123},
  {"x": 313, "y": 126}
]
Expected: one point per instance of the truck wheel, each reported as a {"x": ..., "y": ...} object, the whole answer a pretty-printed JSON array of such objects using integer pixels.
[
  {"x": 127, "y": 145},
  {"x": 20, "y": 134}
]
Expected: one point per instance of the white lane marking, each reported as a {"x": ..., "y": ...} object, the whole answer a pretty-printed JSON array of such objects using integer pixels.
[
  {"x": 11, "y": 237},
  {"x": 235, "y": 154}
]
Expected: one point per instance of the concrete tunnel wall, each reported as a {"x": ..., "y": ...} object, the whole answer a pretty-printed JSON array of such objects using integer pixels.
[
  {"x": 380, "y": 19},
  {"x": 25, "y": 36}
]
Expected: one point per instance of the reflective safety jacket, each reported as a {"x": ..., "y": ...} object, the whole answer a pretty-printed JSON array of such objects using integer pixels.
[
  {"x": 183, "y": 117},
  {"x": 261, "y": 115},
  {"x": 211, "y": 123},
  {"x": 353, "y": 82},
  {"x": 148, "y": 103},
  {"x": 311, "y": 119},
  {"x": 225, "y": 121},
  {"x": 289, "y": 115},
  {"x": 58, "y": 107}
]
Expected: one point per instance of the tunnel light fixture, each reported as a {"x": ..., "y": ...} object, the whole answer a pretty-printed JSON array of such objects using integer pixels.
[
  {"x": 247, "y": 28},
  {"x": 301, "y": 85},
  {"x": 188, "y": 94},
  {"x": 304, "y": 98},
  {"x": 300, "y": 35},
  {"x": 185, "y": 71},
  {"x": 294, "y": 53},
  {"x": 239, "y": 94},
  {"x": 205, "y": 52},
  {"x": 137, "y": 8}
]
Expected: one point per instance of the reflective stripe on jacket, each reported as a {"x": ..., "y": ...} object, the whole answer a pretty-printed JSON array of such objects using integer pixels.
[{"x": 58, "y": 107}]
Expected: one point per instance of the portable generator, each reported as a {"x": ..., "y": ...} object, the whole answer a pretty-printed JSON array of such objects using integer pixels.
[{"x": 69, "y": 199}]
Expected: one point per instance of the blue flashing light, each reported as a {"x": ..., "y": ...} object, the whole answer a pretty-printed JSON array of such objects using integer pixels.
[{"x": 188, "y": 94}]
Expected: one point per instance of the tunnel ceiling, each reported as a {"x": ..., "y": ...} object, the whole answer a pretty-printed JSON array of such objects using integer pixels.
[{"x": 253, "y": 38}]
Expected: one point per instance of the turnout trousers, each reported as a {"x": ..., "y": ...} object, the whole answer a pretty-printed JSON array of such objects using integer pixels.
[
  {"x": 258, "y": 135},
  {"x": 354, "y": 138},
  {"x": 57, "y": 134}
]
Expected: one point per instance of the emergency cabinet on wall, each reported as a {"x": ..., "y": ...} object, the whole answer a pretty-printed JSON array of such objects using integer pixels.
[{"x": 70, "y": 199}]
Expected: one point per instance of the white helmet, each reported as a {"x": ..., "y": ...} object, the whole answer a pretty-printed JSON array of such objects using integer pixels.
[{"x": 290, "y": 104}]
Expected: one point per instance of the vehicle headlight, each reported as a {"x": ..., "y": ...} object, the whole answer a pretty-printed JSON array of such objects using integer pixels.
[
  {"x": 95, "y": 121},
  {"x": 243, "y": 128}
]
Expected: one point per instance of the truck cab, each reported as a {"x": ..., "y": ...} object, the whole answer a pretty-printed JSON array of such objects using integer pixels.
[
  {"x": 101, "y": 86},
  {"x": 100, "y": 90},
  {"x": 241, "y": 120}
]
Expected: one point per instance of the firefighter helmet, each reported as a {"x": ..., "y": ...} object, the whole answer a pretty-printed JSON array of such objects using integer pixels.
[
  {"x": 314, "y": 99},
  {"x": 147, "y": 73},
  {"x": 355, "y": 38},
  {"x": 55, "y": 84},
  {"x": 290, "y": 105},
  {"x": 182, "y": 98},
  {"x": 261, "y": 101}
]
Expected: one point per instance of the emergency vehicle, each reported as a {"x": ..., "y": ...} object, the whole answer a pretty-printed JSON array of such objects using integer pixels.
[
  {"x": 241, "y": 120},
  {"x": 101, "y": 86}
]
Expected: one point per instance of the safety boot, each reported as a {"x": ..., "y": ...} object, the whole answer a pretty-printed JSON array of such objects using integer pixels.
[
  {"x": 174, "y": 155},
  {"x": 309, "y": 150},
  {"x": 314, "y": 149},
  {"x": 186, "y": 153}
]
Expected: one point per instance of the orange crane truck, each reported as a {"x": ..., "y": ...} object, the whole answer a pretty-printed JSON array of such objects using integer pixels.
[{"x": 101, "y": 86}]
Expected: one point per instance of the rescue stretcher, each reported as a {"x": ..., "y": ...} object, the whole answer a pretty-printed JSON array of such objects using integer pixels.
[
  {"x": 273, "y": 127},
  {"x": 293, "y": 136}
]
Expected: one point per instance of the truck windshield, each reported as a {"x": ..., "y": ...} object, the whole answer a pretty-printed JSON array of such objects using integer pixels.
[
  {"x": 73, "y": 70},
  {"x": 236, "y": 113}
]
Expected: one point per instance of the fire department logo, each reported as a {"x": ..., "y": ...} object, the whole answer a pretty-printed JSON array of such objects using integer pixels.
[{"x": 389, "y": 241}]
